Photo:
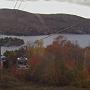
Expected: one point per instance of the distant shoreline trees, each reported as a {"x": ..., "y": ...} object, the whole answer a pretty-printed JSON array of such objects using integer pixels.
[{"x": 8, "y": 41}]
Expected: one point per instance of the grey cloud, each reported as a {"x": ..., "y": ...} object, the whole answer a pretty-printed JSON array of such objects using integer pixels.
[{"x": 84, "y": 2}]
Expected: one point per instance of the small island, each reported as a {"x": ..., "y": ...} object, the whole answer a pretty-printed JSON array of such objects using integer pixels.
[{"x": 9, "y": 41}]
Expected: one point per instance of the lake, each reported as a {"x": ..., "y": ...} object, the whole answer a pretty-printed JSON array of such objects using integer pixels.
[{"x": 82, "y": 40}]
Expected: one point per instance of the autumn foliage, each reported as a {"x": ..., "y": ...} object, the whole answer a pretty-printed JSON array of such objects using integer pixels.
[{"x": 61, "y": 63}]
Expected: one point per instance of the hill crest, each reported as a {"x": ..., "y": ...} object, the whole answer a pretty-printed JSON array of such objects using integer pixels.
[{"x": 17, "y": 22}]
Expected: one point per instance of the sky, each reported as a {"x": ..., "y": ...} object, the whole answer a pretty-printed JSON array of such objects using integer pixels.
[{"x": 75, "y": 7}]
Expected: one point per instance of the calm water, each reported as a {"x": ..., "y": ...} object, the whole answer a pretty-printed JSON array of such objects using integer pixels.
[{"x": 83, "y": 40}]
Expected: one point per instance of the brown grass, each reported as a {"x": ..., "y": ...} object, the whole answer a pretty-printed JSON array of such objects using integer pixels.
[{"x": 30, "y": 86}]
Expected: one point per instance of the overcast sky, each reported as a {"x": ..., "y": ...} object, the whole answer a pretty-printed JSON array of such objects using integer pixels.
[{"x": 52, "y": 6}]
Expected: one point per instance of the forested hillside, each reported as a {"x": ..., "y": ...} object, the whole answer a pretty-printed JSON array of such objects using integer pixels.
[{"x": 16, "y": 22}]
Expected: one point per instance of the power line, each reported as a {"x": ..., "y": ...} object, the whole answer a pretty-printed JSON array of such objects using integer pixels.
[
  {"x": 61, "y": 31},
  {"x": 20, "y": 4},
  {"x": 44, "y": 22},
  {"x": 15, "y": 4},
  {"x": 65, "y": 29}
]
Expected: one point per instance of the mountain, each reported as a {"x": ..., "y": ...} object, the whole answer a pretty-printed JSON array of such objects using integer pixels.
[{"x": 16, "y": 22}]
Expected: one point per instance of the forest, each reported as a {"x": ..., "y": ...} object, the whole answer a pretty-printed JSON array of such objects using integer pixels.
[
  {"x": 60, "y": 64},
  {"x": 8, "y": 41}
]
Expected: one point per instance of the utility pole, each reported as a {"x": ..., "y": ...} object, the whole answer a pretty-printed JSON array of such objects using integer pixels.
[
  {"x": 85, "y": 57},
  {"x": 0, "y": 53},
  {"x": 1, "y": 63}
]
